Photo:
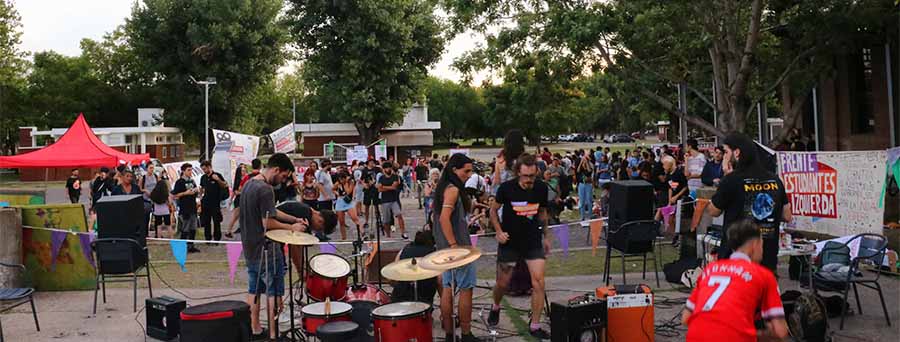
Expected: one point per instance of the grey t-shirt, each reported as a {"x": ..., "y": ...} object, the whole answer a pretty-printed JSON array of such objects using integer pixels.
[
  {"x": 327, "y": 192},
  {"x": 257, "y": 203},
  {"x": 460, "y": 226}
]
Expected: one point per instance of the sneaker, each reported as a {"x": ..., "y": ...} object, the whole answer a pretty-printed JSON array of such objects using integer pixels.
[
  {"x": 540, "y": 334},
  {"x": 494, "y": 318},
  {"x": 404, "y": 236},
  {"x": 470, "y": 338}
]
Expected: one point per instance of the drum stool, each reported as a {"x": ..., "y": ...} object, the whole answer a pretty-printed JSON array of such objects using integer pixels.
[
  {"x": 337, "y": 331},
  {"x": 227, "y": 320}
]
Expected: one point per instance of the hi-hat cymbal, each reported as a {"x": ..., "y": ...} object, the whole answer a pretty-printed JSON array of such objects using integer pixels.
[
  {"x": 292, "y": 237},
  {"x": 407, "y": 270},
  {"x": 450, "y": 258}
]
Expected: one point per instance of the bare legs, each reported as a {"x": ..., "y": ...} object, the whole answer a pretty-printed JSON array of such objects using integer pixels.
[{"x": 536, "y": 268}]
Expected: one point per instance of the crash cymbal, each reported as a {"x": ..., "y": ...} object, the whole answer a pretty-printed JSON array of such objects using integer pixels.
[
  {"x": 407, "y": 270},
  {"x": 450, "y": 258},
  {"x": 292, "y": 237}
]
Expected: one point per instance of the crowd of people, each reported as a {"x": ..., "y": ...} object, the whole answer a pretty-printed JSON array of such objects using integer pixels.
[{"x": 516, "y": 195}]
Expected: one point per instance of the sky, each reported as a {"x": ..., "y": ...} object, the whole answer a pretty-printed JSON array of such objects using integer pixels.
[{"x": 60, "y": 25}]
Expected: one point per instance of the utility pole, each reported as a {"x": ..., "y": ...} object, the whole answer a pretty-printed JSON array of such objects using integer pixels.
[
  {"x": 209, "y": 81},
  {"x": 294, "y": 120}
]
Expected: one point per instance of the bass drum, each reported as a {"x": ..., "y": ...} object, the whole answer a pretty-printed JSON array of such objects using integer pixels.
[{"x": 364, "y": 299}]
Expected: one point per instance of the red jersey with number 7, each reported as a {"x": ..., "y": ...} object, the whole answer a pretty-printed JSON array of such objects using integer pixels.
[{"x": 729, "y": 296}]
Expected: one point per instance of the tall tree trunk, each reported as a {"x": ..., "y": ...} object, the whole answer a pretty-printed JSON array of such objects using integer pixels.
[{"x": 369, "y": 134}]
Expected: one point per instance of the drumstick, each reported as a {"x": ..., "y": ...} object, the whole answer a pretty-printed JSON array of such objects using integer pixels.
[{"x": 327, "y": 306}]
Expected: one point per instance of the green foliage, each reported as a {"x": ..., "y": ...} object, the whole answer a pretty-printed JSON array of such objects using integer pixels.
[
  {"x": 365, "y": 61},
  {"x": 239, "y": 42},
  {"x": 267, "y": 107},
  {"x": 12, "y": 70},
  {"x": 458, "y": 107}
]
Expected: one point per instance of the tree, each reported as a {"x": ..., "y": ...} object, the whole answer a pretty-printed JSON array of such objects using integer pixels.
[
  {"x": 365, "y": 61},
  {"x": 12, "y": 70},
  {"x": 239, "y": 42},
  {"x": 750, "y": 48},
  {"x": 458, "y": 107}
]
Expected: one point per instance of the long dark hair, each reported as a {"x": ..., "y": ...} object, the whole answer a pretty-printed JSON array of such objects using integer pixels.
[
  {"x": 238, "y": 176},
  {"x": 513, "y": 146},
  {"x": 160, "y": 193},
  {"x": 448, "y": 177}
]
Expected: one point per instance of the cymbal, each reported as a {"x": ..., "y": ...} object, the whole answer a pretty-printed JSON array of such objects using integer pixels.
[
  {"x": 407, "y": 270},
  {"x": 450, "y": 258},
  {"x": 292, "y": 237}
]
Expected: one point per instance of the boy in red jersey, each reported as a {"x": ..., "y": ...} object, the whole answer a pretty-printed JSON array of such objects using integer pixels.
[{"x": 731, "y": 294}]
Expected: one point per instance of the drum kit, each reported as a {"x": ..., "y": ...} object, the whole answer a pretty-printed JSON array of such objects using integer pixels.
[{"x": 334, "y": 299}]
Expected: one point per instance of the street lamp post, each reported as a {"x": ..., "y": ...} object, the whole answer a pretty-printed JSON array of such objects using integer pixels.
[{"x": 209, "y": 81}]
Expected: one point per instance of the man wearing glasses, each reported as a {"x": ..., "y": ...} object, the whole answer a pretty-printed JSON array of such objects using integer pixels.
[{"x": 523, "y": 234}]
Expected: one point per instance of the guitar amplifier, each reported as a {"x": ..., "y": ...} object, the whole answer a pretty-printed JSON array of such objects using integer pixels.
[
  {"x": 164, "y": 317},
  {"x": 580, "y": 319}
]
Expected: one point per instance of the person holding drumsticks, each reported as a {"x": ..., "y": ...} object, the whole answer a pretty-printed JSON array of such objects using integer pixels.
[
  {"x": 451, "y": 229},
  {"x": 258, "y": 214}
]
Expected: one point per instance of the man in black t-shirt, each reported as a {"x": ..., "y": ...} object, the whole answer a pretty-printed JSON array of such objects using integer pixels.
[
  {"x": 435, "y": 162},
  {"x": 421, "y": 179},
  {"x": 213, "y": 189},
  {"x": 389, "y": 187},
  {"x": 186, "y": 192},
  {"x": 523, "y": 235},
  {"x": 370, "y": 193},
  {"x": 73, "y": 186},
  {"x": 750, "y": 191}
]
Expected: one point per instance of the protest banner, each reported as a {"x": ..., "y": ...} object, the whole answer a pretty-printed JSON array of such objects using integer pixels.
[
  {"x": 173, "y": 170},
  {"x": 284, "y": 139},
  {"x": 232, "y": 149},
  {"x": 381, "y": 150},
  {"x": 835, "y": 193},
  {"x": 463, "y": 151},
  {"x": 359, "y": 153}
]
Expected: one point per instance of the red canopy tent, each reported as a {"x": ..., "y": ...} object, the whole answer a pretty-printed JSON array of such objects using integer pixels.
[{"x": 79, "y": 147}]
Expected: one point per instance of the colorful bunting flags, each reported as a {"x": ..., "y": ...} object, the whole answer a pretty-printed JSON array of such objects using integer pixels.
[
  {"x": 56, "y": 240},
  {"x": 179, "y": 250},
  {"x": 327, "y": 248},
  {"x": 233, "y": 251},
  {"x": 699, "y": 208},
  {"x": 86, "y": 240},
  {"x": 562, "y": 235},
  {"x": 596, "y": 228}
]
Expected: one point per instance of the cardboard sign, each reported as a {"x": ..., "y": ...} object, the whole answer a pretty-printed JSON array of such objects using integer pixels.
[
  {"x": 284, "y": 139},
  {"x": 359, "y": 153}
]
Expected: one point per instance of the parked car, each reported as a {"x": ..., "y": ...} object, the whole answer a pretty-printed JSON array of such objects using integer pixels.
[
  {"x": 637, "y": 135},
  {"x": 623, "y": 138},
  {"x": 583, "y": 138},
  {"x": 566, "y": 137}
]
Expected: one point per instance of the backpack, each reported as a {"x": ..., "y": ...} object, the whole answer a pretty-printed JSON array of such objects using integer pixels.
[
  {"x": 808, "y": 321},
  {"x": 675, "y": 270}
]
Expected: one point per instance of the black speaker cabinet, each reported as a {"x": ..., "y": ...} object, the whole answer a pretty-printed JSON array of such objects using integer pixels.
[
  {"x": 583, "y": 320},
  {"x": 164, "y": 317},
  {"x": 630, "y": 200},
  {"x": 122, "y": 216}
]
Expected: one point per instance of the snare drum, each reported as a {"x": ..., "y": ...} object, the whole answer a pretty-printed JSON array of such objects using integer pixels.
[
  {"x": 327, "y": 277},
  {"x": 314, "y": 315},
  {"x": 403, "y": 321},
  {"x": 365, "y": 298}
]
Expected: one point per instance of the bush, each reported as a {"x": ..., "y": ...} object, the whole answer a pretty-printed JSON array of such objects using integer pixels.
[
  {"x": 445, "y": 144},
  {"x": 479, "y": 143}
]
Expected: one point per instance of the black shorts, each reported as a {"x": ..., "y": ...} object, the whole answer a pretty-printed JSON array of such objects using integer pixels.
[
  {"x": 511, "y": 254},
  {"x": 162, "y": 220},
  {"x": 325, "y": 205},
  {"x": 369, "y": 197},
  {"x": 237, "y": 201}
]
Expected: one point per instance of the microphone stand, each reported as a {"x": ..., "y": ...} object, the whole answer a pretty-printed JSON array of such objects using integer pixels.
[{"x": 378, "y": 227}]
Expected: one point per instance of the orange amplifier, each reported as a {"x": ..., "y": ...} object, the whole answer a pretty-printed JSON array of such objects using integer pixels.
[{"x": 629, "y": 313}]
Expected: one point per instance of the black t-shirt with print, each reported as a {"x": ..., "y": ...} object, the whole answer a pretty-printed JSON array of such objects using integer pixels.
[
  {"x": 754, "y": 193},
  {"x": 421, "y": 172},
  {"x": 677, "y": 181},
  {"x": 187, "y": 205},
  {"x": 521, "y": 208},
  {"x": 212, "y": 191}
]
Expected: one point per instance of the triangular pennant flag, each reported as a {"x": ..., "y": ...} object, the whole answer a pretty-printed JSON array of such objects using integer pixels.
[
  {"x": 179, "y": 250},
  {"x": 596, "y": 228},
  {"x": 286, "y": 252},
  {"x": 698, "y": 212},
  {"x": 56, "y": 241},
  {"x": 473, "y": 239},
  {"x": 667, "y": 212},
  {"x": 86, "y": 247},
  {"x": 327, "y": 248},
  {"x": 562, "y": 235},
  {"x": 233, "y": 251}
]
